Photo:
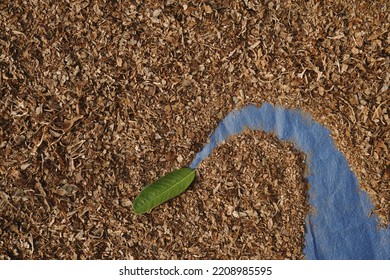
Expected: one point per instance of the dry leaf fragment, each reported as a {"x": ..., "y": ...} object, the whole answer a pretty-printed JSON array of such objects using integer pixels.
[
  {"x": 355, "y": 50},
  {"x": 359, "y": 39},
  {"x": 156, "y": 13},
  {"x": 24, "y": 166},
  {"x": 97, "y": 10},
  {"x": 208, "y": 9}
]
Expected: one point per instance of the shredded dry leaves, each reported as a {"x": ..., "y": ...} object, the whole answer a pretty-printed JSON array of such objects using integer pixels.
[
  {"x": 99, "y": 98},
  {"x": 255, "y": 199}
]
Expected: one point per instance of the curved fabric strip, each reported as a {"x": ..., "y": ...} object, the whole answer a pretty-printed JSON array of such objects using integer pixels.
[{"x": 342, "y": 227}]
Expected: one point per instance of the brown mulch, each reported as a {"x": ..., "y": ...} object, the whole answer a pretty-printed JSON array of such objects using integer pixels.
[{"x": 99, "y": 98}]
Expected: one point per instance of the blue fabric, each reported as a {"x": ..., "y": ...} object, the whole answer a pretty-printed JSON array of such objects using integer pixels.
[{"x": 341, "y": 227}]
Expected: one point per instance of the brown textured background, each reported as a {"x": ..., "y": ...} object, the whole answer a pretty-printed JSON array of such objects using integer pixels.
[{"x": 99, "y": 98}]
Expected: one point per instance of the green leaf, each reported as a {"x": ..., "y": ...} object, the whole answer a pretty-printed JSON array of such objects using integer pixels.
[{"x": 163, "y": 189}]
